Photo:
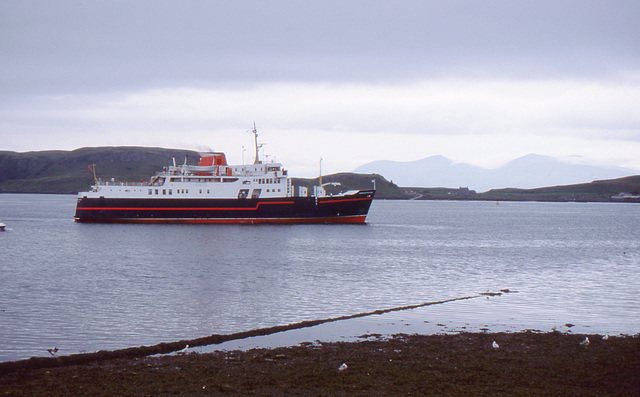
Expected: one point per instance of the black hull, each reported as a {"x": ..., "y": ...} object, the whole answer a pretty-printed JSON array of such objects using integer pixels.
[{"x": 335, "y": 209}]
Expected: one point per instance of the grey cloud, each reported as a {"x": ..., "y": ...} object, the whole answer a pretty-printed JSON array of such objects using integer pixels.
[{"x": 54, "y": 47}]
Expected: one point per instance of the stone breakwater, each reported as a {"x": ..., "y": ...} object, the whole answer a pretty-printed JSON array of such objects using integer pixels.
[{"x": 164, "y": 348}]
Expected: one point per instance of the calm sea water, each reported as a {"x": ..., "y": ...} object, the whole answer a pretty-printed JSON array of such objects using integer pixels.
[{"x": 81, "y": 287}]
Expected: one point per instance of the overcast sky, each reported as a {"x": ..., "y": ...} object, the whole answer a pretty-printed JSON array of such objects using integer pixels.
[{"x": 481, "y": 82}]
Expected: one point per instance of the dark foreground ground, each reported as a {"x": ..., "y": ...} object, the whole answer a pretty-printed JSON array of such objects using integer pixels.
[{"x": 525, "y": 364}]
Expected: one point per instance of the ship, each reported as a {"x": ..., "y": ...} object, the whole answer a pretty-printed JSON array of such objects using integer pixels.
[{"x": 216, "y": 192}]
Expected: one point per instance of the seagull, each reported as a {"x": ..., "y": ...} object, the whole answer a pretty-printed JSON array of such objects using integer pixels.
[
  {"x": 605, "y": 337},
  {"x": 495, "y": 345},
  {"x": 342, "y": 367},
  {"x": 585, "y": 342},
  {"x": 53, "y": 351},
  {"x": 183, "y": 351}
]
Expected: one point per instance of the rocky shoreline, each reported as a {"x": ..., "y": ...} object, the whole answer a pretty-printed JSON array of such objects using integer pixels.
[{"x": 523, "y": 363}]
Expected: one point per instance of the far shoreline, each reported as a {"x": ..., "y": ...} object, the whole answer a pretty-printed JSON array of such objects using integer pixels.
[{"x": 474, "y": 199}]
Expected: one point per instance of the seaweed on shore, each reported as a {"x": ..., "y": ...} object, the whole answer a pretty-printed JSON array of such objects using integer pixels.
[{"x": 525, "y": 363}]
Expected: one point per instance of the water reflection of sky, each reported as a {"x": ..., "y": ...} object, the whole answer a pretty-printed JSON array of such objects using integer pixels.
[{"x": 482, "y": 314}]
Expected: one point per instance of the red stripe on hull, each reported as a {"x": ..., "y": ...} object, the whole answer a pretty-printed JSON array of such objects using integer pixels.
[{"x": 355, "y": 219}]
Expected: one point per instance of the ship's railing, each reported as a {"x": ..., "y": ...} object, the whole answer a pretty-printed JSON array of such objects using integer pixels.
[
  {"x": 115, "y": 183},
  {"x": 224, "y": 170}
]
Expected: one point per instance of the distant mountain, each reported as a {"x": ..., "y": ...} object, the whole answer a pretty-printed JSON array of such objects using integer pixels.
[{"x": 527, "y": 172}]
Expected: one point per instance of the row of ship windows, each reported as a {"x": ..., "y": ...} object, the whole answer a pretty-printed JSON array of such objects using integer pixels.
[
  {"x": 226, "y": 180},
  {"x": 267, "y": 180},
  {"x": 157, "y": 192},
  {"x": 262, "y": 181},
  {"x": 164, "y": 191}
]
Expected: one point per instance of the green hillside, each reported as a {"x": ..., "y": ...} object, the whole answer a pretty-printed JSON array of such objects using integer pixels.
[
  {"x": 595, "y": 191},
  {"x": 66, "y": 171},
  {"x": 604, "y": 190}
]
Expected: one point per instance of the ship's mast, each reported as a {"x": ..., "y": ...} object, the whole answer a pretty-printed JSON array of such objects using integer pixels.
[
  {"x": 92, "y": 167},
  {"x": 255, "y": 137}
]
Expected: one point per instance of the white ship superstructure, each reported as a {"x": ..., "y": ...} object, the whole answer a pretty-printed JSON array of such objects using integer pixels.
[{"x": 207, "y": 181}]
